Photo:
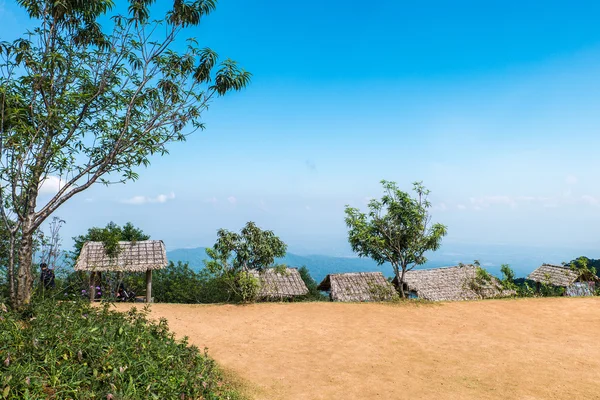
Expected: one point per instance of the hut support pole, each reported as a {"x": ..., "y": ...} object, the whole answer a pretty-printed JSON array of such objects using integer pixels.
[
  {"x": 149, "y": 286},
  {"x": 92, "y": 286}
]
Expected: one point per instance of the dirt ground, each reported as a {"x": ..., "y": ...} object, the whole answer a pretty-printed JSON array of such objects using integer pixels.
[{"x": 500, "y": 349}]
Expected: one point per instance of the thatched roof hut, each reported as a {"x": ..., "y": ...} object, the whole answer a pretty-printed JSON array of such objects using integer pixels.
[
  {"x": 357, "y": 286},
  {"x": 275, "y": 284},
  {"x": 555, "y": 275},
  {"x": 452, "y": 284},
  {"x": 132, "y": 257},
  {"x": 141, "y": 256}
]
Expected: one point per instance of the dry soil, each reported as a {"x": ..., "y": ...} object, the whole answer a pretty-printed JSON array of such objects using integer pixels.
[{"x": 500, "y": 349}]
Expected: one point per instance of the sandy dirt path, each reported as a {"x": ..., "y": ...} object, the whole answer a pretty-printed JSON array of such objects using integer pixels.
[{"x": 500, "y": 349}]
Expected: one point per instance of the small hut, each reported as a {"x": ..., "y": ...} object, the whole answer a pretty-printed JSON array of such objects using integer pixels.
[
  {"x": 357, "y": 286},
  {"x": 452, "y": 284},
  {"x": 142, "y": 256},
  {"x": 279, "y": 285},
  {"x": 563, "y": 276}
]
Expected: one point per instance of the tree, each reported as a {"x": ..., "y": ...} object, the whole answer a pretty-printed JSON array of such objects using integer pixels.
[
  {"x": 110, "y": 236},
  {"x": 313, "y": 292},
  {"x": 7, "y": 256},
  {"x": 396, "y": 229},
  {"x": 583, "y": 267},
  {"x": 50, "y": 244},
  {"x": 508, "y": 277},
  {"x": 82, "y": 103},
  {"x": 234, "y": 255}
]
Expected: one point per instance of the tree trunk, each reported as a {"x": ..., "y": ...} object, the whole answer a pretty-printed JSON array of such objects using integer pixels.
[
  {"x": 401, "y": 283},
  {"x": 25, "y": 276},
  {"x": 11, "y": 269}
]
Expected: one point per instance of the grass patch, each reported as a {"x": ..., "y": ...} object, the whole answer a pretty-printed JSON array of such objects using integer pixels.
[
  {"x": 70, "y": 350},
  {"x": 410, "y": 303}
]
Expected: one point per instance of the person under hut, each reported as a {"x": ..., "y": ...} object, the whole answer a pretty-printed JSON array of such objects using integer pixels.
[
  {"x": 47, "y": 277},
  {"x": 123, "y": 294}
]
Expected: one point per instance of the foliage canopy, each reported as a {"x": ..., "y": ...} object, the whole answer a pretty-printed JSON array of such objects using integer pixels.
[
  {"x": 234, "y": 255},
  {"x": 82, "y": 102},
  {"x": 396, "y": 229}
]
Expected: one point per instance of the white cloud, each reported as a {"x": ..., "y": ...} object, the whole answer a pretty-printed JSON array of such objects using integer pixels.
[
  {"x": 527, "y": 199},
  {"x": 89, "y": 200},
  {"x": 51, "y": 185},
  {"x": 571, "y": 180},
  {"x": 441, "y": 207},
  {"x": 308, "y": 208},
  {"x": 163, "y": 198},
  {"x": 487, "y": 201},
  {"x": 212, "y": 200},
  {"x": 479, "y": 203},
  {"x": 461, "y": 207},
  {"x": 138, "y": 200},
  {"x": 591, "y": 200},
  {"x": 232, "y": 200}
]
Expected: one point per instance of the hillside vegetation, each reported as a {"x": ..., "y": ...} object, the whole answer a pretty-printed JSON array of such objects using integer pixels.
[{"x": 71, "y": 350}]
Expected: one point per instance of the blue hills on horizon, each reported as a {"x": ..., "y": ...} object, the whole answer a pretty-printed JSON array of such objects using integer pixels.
[
  {"x": 521, "y": 260},
  {"x": 318, "y": 265}
]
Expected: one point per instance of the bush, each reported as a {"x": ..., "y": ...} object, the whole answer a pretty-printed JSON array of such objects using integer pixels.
[
  {"x": 508, "y": 278},
  {"x": 313, "y": 293},
  {"x": 176, "y": 283},
  {"x": 72, "y": 350}
]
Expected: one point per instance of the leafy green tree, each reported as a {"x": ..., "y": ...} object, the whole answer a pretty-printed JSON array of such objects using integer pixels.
[
  {"x": 234, "y": 255},
  {"x": 110, "y": 236},
  {"x": 84, "y": 103},
  {"x": 396, "y": 229},
  {"x": 508, "y": 277},
  {"x": 582, "y": 265},
  {"x": 313, "y": 293},
  {"x": 590, "y": 262}
]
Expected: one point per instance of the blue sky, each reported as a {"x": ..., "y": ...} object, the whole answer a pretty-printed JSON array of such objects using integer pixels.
[{"x": 493, "y": 105}]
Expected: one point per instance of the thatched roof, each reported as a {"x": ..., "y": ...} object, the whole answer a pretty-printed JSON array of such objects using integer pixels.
[
  {"x": 132, "y": 257},
  {"x": 357, "y": 286},
  {"x": 452, "y": 283},
  {"x": 556, "y": 275},
  {"x": 277, "y": 285}
]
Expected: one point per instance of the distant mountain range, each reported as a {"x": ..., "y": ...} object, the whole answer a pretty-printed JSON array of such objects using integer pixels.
[
  {"x": 318, "y": 265},
  {"x": 522, "y": 260}
]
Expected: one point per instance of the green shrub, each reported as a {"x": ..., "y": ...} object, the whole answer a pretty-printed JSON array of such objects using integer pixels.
[
  {"x": 508, "y": 278},
  {"x": 247, "y": 287},
  {"x": 313, "y": 293},
  {"x": 383, "y": 293},
  {"x": 177, "y": 283},
  {"x": 73, "y": 350}
]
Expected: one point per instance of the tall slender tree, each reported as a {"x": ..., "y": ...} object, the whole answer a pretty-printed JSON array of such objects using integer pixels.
[
  {"x": 84, "y": 103},
  {"x": 396, "y": 229}
]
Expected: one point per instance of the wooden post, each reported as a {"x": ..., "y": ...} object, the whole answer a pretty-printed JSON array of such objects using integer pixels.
[
  {"x": 149, "y": 286},
  {"x": 92, "y": 286}
]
